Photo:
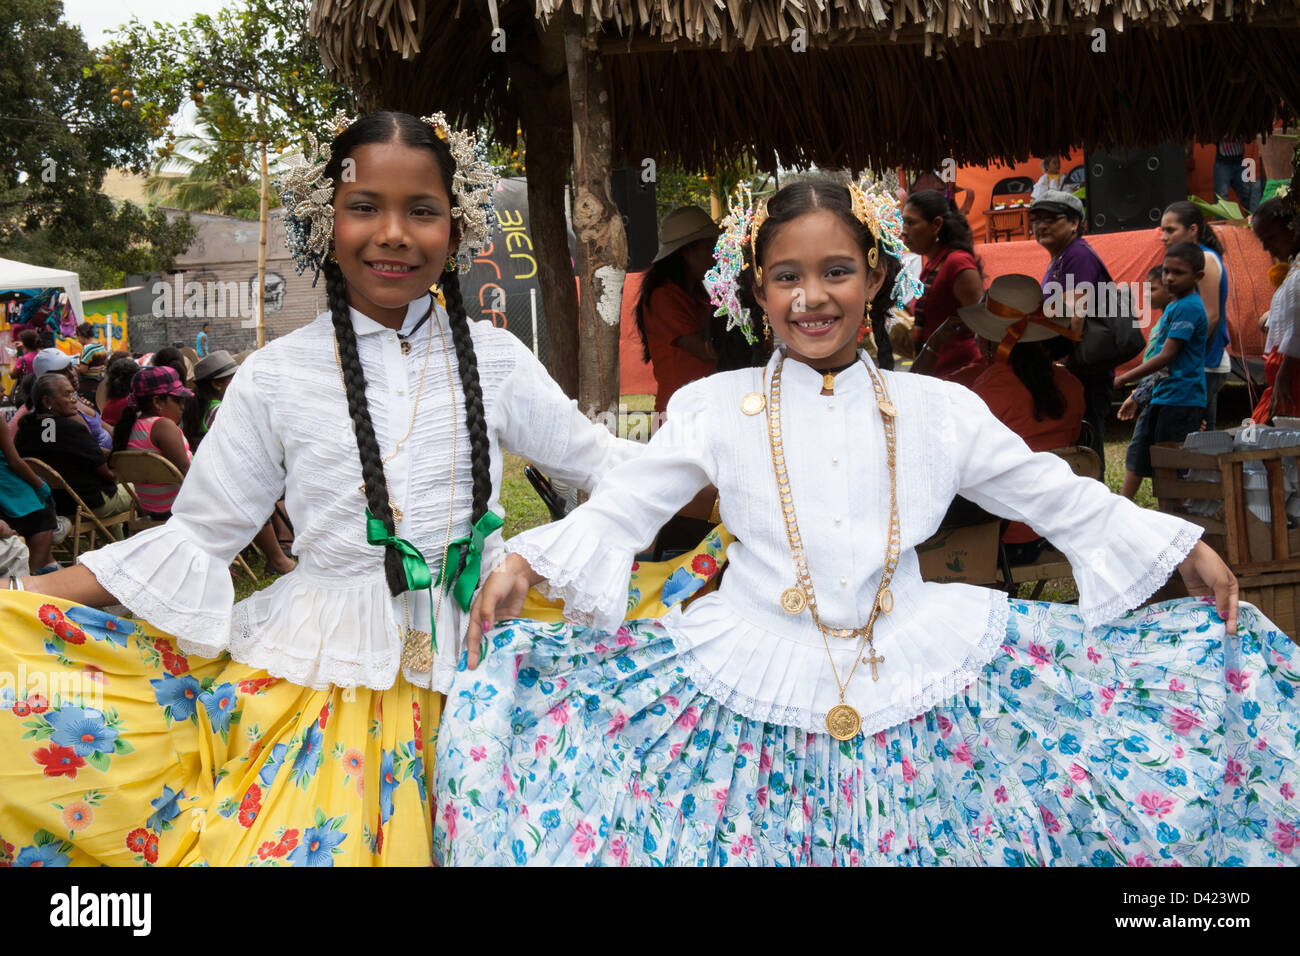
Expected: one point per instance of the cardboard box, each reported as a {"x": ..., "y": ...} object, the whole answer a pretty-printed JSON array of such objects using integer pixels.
[{"x": 968, "y": 554}]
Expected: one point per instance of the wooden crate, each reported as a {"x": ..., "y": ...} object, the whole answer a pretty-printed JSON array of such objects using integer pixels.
[
  {"x": 1248, "y": 545},
  {"x": 1265, "y": 557}
]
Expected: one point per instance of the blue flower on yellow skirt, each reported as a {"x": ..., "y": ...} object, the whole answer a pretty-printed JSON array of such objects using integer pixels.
[
  {"x": 101, "y": 626},
  {"x": 47, "y": 855},
  {"x": 307, "y": 762},
  {"x": 387, "y": 784},
  {"x": 165, "y": 809},
  {"x": 177, "y": 695},
  {"x": 84, "y": 730},
  {"x": 266, "y": 776},
  {"x": 317, "y": 847},
  {"x": 680, "y": 585},
  {"x": 220, "y": 703}
]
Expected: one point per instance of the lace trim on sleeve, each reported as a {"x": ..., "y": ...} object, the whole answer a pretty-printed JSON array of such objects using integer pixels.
[{"x": 1166, "y": 561}]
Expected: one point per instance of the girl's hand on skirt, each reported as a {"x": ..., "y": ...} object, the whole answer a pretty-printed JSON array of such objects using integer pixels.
[
  {"x": 1204, "y": 572},
  {"x": 500, "y": 598}
]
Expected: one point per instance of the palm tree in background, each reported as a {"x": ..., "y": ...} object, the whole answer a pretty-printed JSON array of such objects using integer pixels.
[{"x": 217, "y": 164}]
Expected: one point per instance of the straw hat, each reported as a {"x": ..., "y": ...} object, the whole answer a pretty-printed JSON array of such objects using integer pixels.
[
  {"x": 1011, "y": 298},
  {"x": 683, "y": 226}
]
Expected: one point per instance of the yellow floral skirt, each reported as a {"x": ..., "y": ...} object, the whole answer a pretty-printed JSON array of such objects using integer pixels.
[{"x": 115, "y": 749}]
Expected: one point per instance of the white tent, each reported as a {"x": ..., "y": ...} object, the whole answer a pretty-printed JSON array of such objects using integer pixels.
[{"x": 20, "y": 275}]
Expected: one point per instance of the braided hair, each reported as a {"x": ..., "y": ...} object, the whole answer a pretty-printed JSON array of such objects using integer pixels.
[{"x": 406, "y": 130}]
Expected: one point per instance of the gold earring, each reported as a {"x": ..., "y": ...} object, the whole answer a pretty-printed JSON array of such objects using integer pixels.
[
  {"x": 450, "y": 265},
  {"x": 767, "y": 328},
  {"x": 758, "y": 275},
  {"x": 873, "y": 257},
  {"x": 866, "y": 319}
]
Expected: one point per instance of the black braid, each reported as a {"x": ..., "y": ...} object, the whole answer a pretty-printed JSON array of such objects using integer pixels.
[
  {"x": 475, "y": 419},
  {"x": 480, "y": 457},
  {"x": 354, "y": 382}
]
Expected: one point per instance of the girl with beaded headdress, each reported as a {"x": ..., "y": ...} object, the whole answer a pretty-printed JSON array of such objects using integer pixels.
[
  {"x": 295, "y": 726},
  {"x": 826, "y": 705}
]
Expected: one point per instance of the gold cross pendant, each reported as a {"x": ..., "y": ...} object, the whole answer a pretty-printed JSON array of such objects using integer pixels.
[{"x": 873, "y": 659}]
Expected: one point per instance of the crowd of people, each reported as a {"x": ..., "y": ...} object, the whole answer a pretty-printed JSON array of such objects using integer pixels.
[{"x": 72, "y": 413}]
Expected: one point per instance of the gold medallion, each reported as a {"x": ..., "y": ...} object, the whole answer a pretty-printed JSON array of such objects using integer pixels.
[
  {"x": 843, "y": 722},
  {"x": 752, "y": 403},
  {"x": 887, "y": 409},
  {"x": 792, "y": 600},
  {"x": 406, "y": 347},
  {"x": 886, "y": 600}
]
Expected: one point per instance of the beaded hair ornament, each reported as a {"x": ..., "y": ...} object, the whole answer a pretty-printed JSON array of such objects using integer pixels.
[
  {"x": 307, "y": 195},
  {"x": 873, "y": 206}
]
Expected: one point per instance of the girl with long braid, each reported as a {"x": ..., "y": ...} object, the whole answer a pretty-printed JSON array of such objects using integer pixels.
[{"x": 296, "y": 726}]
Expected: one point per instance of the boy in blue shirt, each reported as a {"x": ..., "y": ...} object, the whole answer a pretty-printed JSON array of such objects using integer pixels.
[{"x": 1177, "y": 344}]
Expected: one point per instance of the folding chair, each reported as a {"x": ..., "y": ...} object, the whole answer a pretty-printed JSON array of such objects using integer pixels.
[
  {"x": 1052, "y": 564},
  {"x": 137, "y": 466},
  {"x": 84, "y": 521}
]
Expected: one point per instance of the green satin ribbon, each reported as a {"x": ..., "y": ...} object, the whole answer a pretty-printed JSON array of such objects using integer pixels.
[
  {"x": 461, "y": 584},
  {"x": 418, "y": 575},
  {"x": 471, "y": 547}
]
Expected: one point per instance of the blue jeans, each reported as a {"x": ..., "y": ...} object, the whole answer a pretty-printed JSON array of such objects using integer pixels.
[{"x": 1231, "y": 173}]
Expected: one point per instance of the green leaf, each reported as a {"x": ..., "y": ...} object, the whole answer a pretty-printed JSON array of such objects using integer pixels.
[
  {"x": 120, "y": 746},
  {"x": 42, "y": 837},
  {"x": 320, "y": 817},
  {"x": 99, "y": 761}
]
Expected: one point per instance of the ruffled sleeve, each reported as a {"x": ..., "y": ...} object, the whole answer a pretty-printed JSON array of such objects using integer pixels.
[
  {"x": 542, "y": 424},
  {"x": 1120, "y": 553},
  {"x": 177, "y": 576},
  {"x": 586, "y": 559}
]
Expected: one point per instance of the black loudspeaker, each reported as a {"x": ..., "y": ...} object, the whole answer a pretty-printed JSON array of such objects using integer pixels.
[
  {"x": 636, "y": 201},
  {"x": 1130, "y": 190}
]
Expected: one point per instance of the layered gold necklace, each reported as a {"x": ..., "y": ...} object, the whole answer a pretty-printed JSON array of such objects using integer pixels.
[{"x": 843, "y": 721}]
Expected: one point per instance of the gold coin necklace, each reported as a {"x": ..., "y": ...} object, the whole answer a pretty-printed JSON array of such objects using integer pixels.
[
  {"x": 417, "y": 646},
  {"x": 843, "y": 721}
]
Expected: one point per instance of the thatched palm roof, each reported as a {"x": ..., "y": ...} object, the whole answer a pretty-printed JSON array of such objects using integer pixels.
[{"x": 882, "y": 82}]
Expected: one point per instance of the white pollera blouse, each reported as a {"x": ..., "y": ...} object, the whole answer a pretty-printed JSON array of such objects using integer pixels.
[
  {"x": 738, "y": 645},
  {"x": 283, "y": 430}
]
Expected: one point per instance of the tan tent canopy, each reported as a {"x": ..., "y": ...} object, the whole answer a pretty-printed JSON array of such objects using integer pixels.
[{"x": 868, "y": 82}]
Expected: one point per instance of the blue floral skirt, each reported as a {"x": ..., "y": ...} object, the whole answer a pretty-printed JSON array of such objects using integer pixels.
[{"x": 1147, "y": 743}]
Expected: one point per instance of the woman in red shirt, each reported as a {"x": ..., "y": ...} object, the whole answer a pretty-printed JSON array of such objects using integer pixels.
[
  {"x": 672, "y": 312},
  {"x": 1037, "y": 399},
  {"x": 933, "y": 228}
]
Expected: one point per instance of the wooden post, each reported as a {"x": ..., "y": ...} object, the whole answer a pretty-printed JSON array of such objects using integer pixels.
[
  {"x": 261, "y": 235},
  {"x": 602, "y": 243},
  {"x": 538, "y": 73}
]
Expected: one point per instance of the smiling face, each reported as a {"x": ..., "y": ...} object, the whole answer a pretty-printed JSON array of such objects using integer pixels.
[
  {"x": 815, "y": 289},
  {"x": 392, "y": 229}
]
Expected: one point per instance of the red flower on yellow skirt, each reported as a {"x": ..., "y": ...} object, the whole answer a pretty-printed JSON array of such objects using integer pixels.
[
  {"x": 288, "y": 840},
  {"x": 58, "y": 761},
  {"x": 49, "y": 615},
  {"x": 705, "y": 564},
  {"x": 137, "y": 840},
  {"x": 70, "y": 633},
  {"x": 38, "y": 704},
  {"x": 247, "y": 815},
  {"x": 151, "y": 848},
  {"x": 21, "y": 708},
  {"x": 78, "y": 815}
]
